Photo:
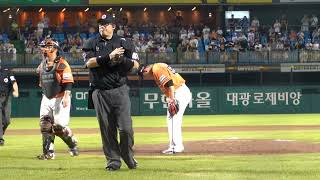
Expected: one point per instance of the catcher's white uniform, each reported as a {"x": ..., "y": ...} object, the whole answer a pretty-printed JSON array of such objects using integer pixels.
[
  {"x": 54, "y": 114},
  {"x": 52, "y": 106}
]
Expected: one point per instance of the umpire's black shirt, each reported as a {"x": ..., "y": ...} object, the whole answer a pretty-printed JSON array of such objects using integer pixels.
[
  {"x": 109, "y": 74},
  {"x": 6, "y": 80}
]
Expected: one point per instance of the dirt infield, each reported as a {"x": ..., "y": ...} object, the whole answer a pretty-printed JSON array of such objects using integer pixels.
[
  {"x": 215, "y": 147},
  {"x": 228, "y": 146}
]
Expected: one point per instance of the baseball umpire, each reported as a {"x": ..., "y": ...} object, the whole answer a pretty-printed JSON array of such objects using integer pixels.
[
  {"x": 56, "y": 82},
  {"x": 178, "y": 97},
  {"x": 8, "y": 85},
  {"x": 109, "y": 59}
]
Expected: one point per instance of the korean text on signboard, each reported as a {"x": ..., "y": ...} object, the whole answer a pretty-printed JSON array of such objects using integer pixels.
[
  {"x": 272, "y": 98},
  {"x": 200, "y": 100}
]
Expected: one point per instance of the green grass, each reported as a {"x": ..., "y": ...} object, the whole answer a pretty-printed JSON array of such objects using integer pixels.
[
  {"x": 17, "y": 157},
  {"x": 293, "y": 167},
  {"x": 188, "y": 121}
]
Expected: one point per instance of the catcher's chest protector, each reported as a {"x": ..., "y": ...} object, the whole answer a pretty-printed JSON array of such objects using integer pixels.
[{"x": 49, "y": 82}]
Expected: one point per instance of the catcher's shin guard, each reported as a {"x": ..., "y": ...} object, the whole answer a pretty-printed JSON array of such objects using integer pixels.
[
  {"x": 46, "y": 124},
  {"x": 47, "y": 143},
  {"x": 70, "y": 141},
  {"x": 66, "y": 135}
]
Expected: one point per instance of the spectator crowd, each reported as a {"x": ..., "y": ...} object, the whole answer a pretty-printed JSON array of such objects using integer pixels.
[{"x": 240, "y": 35}]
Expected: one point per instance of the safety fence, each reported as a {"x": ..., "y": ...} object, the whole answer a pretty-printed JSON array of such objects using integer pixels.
[{"x": 232, "y": 57}]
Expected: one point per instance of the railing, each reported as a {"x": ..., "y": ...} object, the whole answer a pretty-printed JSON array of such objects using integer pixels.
[{"x": 234, "y": 57}]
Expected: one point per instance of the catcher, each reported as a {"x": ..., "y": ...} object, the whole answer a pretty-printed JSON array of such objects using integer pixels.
[
  {"x": 56, "y": 82},
  {"x": 178, "y": 97}
]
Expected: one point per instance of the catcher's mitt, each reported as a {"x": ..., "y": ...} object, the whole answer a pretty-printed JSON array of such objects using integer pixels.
[{"x": 173, "y": 107}]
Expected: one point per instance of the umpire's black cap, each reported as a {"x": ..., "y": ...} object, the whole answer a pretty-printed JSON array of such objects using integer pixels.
[{"x": 106, "y": 19}]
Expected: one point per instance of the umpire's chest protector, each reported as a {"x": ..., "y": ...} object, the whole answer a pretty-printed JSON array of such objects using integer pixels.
[{"x": 49, "y": 81}]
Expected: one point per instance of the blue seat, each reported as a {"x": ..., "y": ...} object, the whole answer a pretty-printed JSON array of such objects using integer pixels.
[
  {"x": 93, "y": 35},
  {"x": 83, "y": 36},
  {"x": 5, "y": 37},
  {"x": 55, "y": 36}
]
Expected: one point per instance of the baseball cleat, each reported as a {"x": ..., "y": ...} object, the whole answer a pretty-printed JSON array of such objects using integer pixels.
[
  {"x": 1, "y": 142},
  {"x": 170, "y": 151},
  {"x": 49, "y": 156},
  {"x": 74, "y": 151}
]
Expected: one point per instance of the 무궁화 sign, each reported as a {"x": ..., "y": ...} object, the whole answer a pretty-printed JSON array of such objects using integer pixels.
[{"x": 152, "y": 101}]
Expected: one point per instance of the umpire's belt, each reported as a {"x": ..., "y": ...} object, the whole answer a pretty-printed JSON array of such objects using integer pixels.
[{"x": 113, "y": 88}]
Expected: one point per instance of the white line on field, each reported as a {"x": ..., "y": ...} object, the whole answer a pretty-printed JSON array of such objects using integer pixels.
[{"x": 286, "y": 140}]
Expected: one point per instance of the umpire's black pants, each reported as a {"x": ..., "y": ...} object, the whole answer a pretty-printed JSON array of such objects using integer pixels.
[
  {"x": 113, "y": 113},
  {"x": 5, "y": 113}
]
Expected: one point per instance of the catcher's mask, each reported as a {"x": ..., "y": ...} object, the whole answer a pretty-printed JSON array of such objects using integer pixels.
[{"x": 49, "y": 46}]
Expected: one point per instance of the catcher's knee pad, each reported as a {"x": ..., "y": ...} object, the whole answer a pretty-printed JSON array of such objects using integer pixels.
[
  {"x": 46, "y": 124},
  {"x": 61, "y": 131},
  {"x": 66, "y": 135}
]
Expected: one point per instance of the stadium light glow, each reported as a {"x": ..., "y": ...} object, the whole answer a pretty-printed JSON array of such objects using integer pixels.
[
  {"x": 169, "y": 9},
  {"x": 63, "y": 10},
  {"x": 40, "y": 9},
  {"x": 86, "y": 10},
  {"x": 194, "y": 8},
  {"x": 145, "y": 9},
  {"x": 6, "y": 10},
  {"x": 120, "y": 9}
]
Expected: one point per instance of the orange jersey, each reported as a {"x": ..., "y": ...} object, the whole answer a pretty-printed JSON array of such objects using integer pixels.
[
  {"x": 63, "y": 73},
  {"x": 163, "y": 73}
]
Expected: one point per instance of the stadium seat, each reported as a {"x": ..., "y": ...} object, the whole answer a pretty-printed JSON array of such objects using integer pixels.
[
  {"x": 93, "y": 35},
  {"x": 5, "y": 37},
  {"x": 83, "y": 36}
]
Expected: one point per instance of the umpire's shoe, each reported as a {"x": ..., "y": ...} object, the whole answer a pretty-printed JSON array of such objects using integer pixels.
[
  {"x": 48, "y": 156},
  {"x": 135, "y": 164},
  {"x": 112, "y": 168}
]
